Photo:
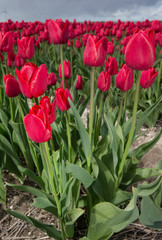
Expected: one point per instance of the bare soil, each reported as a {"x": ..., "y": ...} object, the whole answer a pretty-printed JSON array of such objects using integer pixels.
[{"x": 15, "y": 229}]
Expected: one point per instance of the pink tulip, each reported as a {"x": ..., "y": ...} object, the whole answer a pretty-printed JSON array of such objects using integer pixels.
[{"x": 148, "y": 77}]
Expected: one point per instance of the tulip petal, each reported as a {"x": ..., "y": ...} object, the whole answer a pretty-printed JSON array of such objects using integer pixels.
[
  {"x": 101, "y": 48},
  {"x": 55, "y": 32},
  {"x": 38, "y": 84},
  {"x": 24, "y": 86},
  {"x": 36, "y": 129},
  {"x": 90, "y": 54}
]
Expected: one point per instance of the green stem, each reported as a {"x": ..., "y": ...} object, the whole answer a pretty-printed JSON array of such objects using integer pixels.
[
  {"x": 131, "y": 133},
  {"x": 159, "y": 78},
  {"x": 11, "y": 109},
  {"x": 54, "y": 157},
  {"x": 91, "y": 103},
  {"x": 149, "y": 93},
  {"x": 125, "y": 101},
  {"x": 36, "y": 101},
  {"x": 120, "y": 109},
  {"x": 1, "y": 97},
  {"x": 46, "y": 153},
  {"x": 69, "y": 137},
  {"x": 62, "y": 65},
  {"x": 99, "y": 117}
]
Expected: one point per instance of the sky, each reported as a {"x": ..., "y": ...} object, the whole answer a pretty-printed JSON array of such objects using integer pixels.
[{"x": 94, "y": 10}]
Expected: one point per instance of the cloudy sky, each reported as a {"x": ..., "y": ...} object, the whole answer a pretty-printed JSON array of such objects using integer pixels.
[{"x": 94, "y": 10}]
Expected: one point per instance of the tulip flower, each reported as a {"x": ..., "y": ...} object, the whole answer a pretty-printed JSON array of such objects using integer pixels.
[
  {"x": 79, "y": 83},
  {"x": 104, "y": 81},
  {"x": 67, "y": 85},
  {"x": 58, "y": 31},
  {"x": 37, "y": 125},
  {"x": 67, "y": 69},
  {"x": 148, "y": 77},
  {"x": 124, "y": 78},
  {"x": 140, "y": 52},
  {"x": 12, "y": 88},
  {"x": 111, "y": 65},
  {"x": 61, "y": 96},
  {"x": 95, "y": 53},
  {"x": 19, "y": 61},
  {"x": 6, "y": 42},
  {"x": 110, "y": 48},
  {"x": 50, "y": 110},
  {"x": 78, "y": 44},
  {"x": 32, "y": 79},
  {"x": 26, "y": 47},
  {"x": 51, "y": 79}
]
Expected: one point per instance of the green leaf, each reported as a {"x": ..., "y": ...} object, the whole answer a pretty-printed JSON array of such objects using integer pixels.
[
  {"x": 151, "y": 214},
  {"x": 71, "y": 217},
  {"x": 34, "y": 191},
  {"x": 81, "y": 174},
  {"x": 144, "y": 148},
  {"x": 121, "y": 197},
  {"x": 104, "y": 185},
  {"x": 106, "y": 218},
  {"x": 2, "y": 188},
  {"x": 145, "y": 115},
  {"x": 148, "y": 189},
  {"x": 44, "y": 203},
  {"x": 49, "y": 229},
  {"x": 82, "y": 131},
  {"x": 114, "y": 139},
  {"x": 11, "y": 153},
  {"x": 4, "y": 118}
]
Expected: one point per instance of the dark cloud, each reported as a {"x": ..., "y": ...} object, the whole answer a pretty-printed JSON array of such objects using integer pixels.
[{"x": 41, "y": 10}]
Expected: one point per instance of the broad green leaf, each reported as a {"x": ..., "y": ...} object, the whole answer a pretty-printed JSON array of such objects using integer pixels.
[
  {"x": 81, "y": 174},
  {"x": 34, "y": 191},
  {"x": 49, "y": 229},
  {"x": 106, "y": 218},
  {"x": 144, "y": 173},
  {"x": 6, "y": 147},
  {"x": 114, "y": 139},
  {"x": 4, "y": 118},
  {"x": 148, "y": 189},
  {"x": 2, "y": 188},
  {"x": 121, "y": 197},
  {"x": 71, "y": 217},
  {"x": 45, "y": 204},
  {"x": 151, "y": 214},
  {"x": 82, "y": 131},
  {"x": 104, "y": 185},
  {"x": 145, "y": 115},
  {"x": 140, "y": 151}
]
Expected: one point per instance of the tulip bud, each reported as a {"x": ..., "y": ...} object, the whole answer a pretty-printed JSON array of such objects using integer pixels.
[
  {"x": 12, "y": 88},
  {"x": 32, "y": 79},
  {"x": 37, "y": 126},
  {"x": 140, "y": 52},
  {"x": 111, "y": 65},
  {"x": 51, "y": 79},
  {"x": 67, "y": 69},
  {"x": 61, "y": 96},
  {"x": 104, "y": 81},
  {"x": 148, "y": 77},
  {"x": 124, "y": 78},
  {"x": 50, "y": 110},
  {"x": 79, "y": 83},
  {"x": 95, "y": 53}
]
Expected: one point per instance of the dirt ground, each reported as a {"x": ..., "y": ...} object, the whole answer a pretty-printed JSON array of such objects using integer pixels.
[{"x": 15, "y": 229}]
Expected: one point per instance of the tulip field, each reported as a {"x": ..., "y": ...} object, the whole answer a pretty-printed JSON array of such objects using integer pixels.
[{"x": 74, "y": 98}]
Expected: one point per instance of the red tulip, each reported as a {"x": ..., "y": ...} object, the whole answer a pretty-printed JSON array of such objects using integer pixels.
[
  {"x": 67, "y": 69},
  {"x": 104, "y": 81},
  {"x": 79, "y": 83},
  {"x": 26, "y": 47},
  {"x": 52, "y": 79},
  {"x": 78, "y": 44},
  {"x": 140, "y": 52},
  {"x": 12, "y": 88},
  {"x": 111, "y": 65},
  {"x": 67, "y": 85},
  {"x": 58, "y": 31},
  {"x": 6, "y": 42},
  {"x": 50, "y": 110},
  {"x": 19, "y": 61},
  {"x": 37, "y": 126},
  {"x": 61, "y": 96},
  {"x": 124, "y": 78},
  {"x": 95, "y": 53},
  {"x": 32, "y": 79},
  {"x": 110, "y": 48},
  {"x": 148, "y": 77}
]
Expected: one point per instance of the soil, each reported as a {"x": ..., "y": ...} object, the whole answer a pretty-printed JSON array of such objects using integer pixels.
[{"x": 14, "y": 229}]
